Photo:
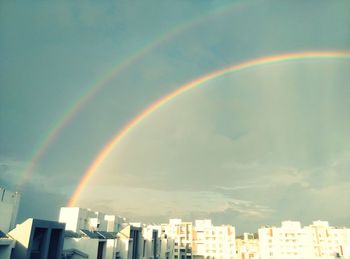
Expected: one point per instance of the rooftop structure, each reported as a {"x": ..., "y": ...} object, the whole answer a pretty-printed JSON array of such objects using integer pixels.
[{"x": 81, "y": 218}]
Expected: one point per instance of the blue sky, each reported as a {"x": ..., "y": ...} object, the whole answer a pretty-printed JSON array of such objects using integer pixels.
[{"x": 250, "y": 148}]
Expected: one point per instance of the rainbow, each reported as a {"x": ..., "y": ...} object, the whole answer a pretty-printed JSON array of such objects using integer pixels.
[
  {"x": 78, "y": 105},
  {"x": 90, "y": 171}
]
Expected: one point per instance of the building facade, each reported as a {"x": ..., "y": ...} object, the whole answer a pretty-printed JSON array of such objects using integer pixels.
[
  {"x": 80, "y": 218},
  {"x": 317, "y": 241},
  {"x": 9, "y": 204},
  {"x": 247, "y": 246},
  {"x": 213, "y": 241},
  {"x": 37, "y": 238}
]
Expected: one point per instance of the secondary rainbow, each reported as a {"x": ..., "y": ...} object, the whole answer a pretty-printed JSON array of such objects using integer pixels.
[
  {"x": 91, "y": 92},
  {"x": 186, "y": 87}
]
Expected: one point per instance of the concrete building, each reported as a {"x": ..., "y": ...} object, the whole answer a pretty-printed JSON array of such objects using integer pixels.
[
  {"x": 151, "y": 242},
  {"x": 37, "y": 239},
  {"x": 317, "y": 241},
  {"x": 89, "y": 244},
  {"x": 9, "y": 204},
  {"x": 6, "y": 246},
  {"x": 213, "y": 241},
  {"x": 288, "y": 241},
  {"x": 183, "y": 240},
  {"x": 166, "y": 244},
  {"x": 81, "y": 218},
  {"x": 247, "y": 246},
  {"x": 329, "y": 242},
  {"x": 181, "y": 235},
  {"x": 129, "y": 243}
]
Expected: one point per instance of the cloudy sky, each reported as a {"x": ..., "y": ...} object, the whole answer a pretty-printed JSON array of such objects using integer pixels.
[{"x": 255, "y": 147}]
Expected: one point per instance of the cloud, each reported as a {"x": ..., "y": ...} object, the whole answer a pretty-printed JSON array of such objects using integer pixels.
[{"x": 139, "y": 203}]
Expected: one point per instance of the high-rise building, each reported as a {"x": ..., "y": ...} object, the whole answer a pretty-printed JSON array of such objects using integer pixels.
[{"x": 9, "y": 204}]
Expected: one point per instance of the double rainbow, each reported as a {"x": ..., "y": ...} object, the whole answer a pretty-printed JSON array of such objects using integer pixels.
[
  {"x": 102, "y": 155},
  {"x": 116, "y": 70}
]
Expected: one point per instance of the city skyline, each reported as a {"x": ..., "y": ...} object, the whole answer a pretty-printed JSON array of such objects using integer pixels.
[{"x": 253, "y": 147}]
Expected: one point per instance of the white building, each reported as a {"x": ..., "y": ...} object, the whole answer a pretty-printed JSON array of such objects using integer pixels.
[
  {"x": 166, "y": 244},
  {"x": 37, "y": 238},
  {"x": 213, "y": 241},
  {"x": 97, "y": 235},
  {"x": 247, "y": 246},
  {"x": 181, "y": 234},
  {"x": 88, "y": 244},
  {"x": 6, "y": 246},
  {"x": 80, "y": 218},
  {"x": 151, "y": 242},
  {"x": 9, "y": 204},
  {"x": 288, "y": 241},
  {"x": 329, "y": 242},
  {"x": 183, "y": 240},
  {"x": 317, "y": 241}
]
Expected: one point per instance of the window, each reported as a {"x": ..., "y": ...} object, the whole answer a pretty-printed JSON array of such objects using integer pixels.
[{"x": 144, "y": 248}]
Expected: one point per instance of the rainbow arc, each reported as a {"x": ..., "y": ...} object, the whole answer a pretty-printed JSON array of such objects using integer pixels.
[{"x": 119, "y": 136}]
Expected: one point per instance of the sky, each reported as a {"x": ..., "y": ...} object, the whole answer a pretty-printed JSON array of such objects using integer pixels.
[{"x": 251, "y": 148}]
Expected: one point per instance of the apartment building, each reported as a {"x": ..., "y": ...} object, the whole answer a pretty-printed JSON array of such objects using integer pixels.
[
  {"x": 329, "y": 242},
  {"x": 213, "y": 241},
  {"x": 182, "y": 235},
  {"x": 201, "y": 240},
  {"x": 247, "y": 246},
  {"x": 291, "y": 241}
]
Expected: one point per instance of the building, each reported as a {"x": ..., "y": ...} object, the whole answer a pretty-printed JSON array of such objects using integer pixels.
[
  {"x": 247, "y": 246},
  {"x": 288, "y": 241},
  {"x": 81, "y": 218},
  {"x": 151, "y": 242},
  {"x": 9, "y": 204},
  {"x": 183, "y": 240},
  {"x": 317, "y": 241},
  {"x": 6, "y": 246},
  {"x": 89, "y": 244},
  {"x": 129, "y": 243},
  {"x": 181, "y": 235},
  {"x": 329, "y": 242},
  {"x": 165, "y": 244},
  {"x": 37, "y": 238},
  {"x": 213, "y": 241}
]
